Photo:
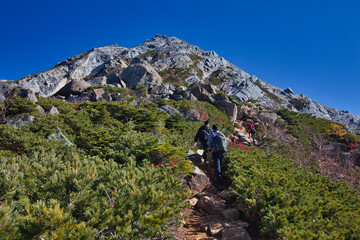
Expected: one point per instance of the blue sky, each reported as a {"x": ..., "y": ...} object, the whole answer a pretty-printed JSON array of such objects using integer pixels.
[{"x": 312, "y": 47}]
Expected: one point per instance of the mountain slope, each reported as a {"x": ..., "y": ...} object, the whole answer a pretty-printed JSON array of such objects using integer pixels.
[{"x": 178, "y": 63}]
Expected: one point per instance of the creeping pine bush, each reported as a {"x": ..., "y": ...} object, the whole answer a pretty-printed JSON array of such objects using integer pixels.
[
  {"x": 123, "y": 179},
  {"x": 51, "y": 196},
  {"x": 291, "y": 203},
  {"x": 326, "y": 128}
]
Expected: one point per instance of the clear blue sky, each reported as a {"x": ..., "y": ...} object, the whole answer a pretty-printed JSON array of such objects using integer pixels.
[{"x": 311, "y": 46}]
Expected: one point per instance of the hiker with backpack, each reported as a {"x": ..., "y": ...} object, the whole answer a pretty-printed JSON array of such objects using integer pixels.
[
  {"x": 252, "y": 130},
  {"x": 218, "y": 146},
  {"x": 203, "y": 136}
]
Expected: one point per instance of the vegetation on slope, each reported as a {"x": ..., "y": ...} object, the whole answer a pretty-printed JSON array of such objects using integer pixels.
[
  {"x": 124, "y": 176},
  {"x": 123, "y": 179},
  {"x": 291, "y": 203}
]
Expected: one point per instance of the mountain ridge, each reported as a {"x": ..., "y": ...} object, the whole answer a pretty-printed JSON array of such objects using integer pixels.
[{"x": 177, "y": 62}]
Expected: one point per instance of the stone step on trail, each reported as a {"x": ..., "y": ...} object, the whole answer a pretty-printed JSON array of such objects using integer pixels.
[{"x": 213, "y": 214}]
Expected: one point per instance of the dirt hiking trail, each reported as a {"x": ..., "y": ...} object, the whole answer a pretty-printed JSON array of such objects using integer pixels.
[{"x": 212, "y": 214}]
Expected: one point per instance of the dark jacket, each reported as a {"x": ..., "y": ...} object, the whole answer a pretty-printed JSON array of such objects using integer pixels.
[{"x": 207, "y": 128}]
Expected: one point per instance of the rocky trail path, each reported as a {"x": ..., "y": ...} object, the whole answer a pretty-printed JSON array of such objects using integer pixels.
[{"x": 212, "y": 214}]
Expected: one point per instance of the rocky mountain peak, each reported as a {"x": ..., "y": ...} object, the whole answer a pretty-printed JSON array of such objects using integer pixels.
[{"x": 166, "y": 62}]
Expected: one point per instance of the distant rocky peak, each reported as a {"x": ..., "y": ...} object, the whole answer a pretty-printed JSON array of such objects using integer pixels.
[
  {"x": 162, "y": 63},
  {"x": 160, "y": 40}
]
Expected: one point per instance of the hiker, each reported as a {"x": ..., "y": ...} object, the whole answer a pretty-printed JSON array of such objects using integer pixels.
[
  {"x": 218, "y": 146},
  {"x": 252, "y": 130},
  {"x": 203, "y": 135}
]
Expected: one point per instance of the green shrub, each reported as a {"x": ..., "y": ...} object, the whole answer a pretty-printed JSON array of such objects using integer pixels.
[
  {"x": 323, "y": 127},
  {"x": 150, "y": 53},
  {"x": 291, "y": 203},
  {"x": 215, "y": 78},
  {"x": 62, "y": 106},
  {"x": 81, "y": 196},
  {"x": 195, "y": 57},
  {"x": 123, "y": 178},
  {"x": 299, "y": 104},
  {"x": 17, "y": 106},
  {"x": 176, "y": 76}
]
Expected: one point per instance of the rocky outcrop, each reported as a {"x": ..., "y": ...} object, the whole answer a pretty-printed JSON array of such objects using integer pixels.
[
  {"x": 29, "y": 95},
  {"x": 75, "y": 87},
  {"x": 161, "y": 90},
  {"x": 230, "y": 108},
  {"x": 5, "y": 90},
  {"x": 75, "y": 68},
  {"x": 202, "y": 94},
  {"x": 141, "y": 73}
]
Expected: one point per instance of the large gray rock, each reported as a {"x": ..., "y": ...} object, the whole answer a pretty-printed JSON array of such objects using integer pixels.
[
  {"x": 168, "y": 109},
  {"x": 74, "y": 87},
  {"x": 5, "y": 90},
  {"x": 202, "y": 94},
  {"x": 221, "y": 97},
  {"x": 53, "y": 111},
  {"x": 177, "y": 97},
  {"x": 141, "y": 73},
  {"x": 59, "y": 136},
  {"x": 210, "y": 88},
  {"x": 113, "y": 78},
  {"x": 269, "y": 117},
  {"x": 122, "y": 84},
  {"x": 230, "y": 108},
  {"x": 106, "y": 96},
  {"x": 161, "y": 90},
  {"x": 96, "y": 94},
  {"x": 191, "y": 114},
  {"x": 98, "y": 81},
  {"x": 23, "y": 120}
]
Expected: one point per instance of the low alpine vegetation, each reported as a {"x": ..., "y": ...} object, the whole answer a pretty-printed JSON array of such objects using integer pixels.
[
  {"x": 122, "y": 178},
  {"x": 291, "y": 203}
]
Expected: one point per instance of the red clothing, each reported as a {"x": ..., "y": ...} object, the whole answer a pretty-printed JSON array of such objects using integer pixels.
[{"x": 250, "y": 126}]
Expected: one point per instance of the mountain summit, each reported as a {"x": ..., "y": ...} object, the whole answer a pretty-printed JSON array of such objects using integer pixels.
[{"x": 164, "y": 64}]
